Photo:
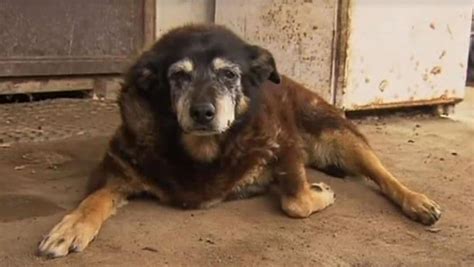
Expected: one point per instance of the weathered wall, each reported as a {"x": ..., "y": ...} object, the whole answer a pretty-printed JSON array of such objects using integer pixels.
[
  {"x": 299, "y": 33},
  {"x": 172, "y": 13},
  {"x": 406, "y": 52}
]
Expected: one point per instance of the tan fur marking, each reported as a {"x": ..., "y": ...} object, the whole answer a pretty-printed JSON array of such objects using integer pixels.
[
  {"x": 318, "y": 152},
  {"x": 308, "y": 201},
  {"x": 347, "y": 150},
  {"x": 80, "y": 227},
  {"x": 243, "y": 105},
  {"x": 222, "y": 63},
  {"x": 185, "y": 65},
  {"x": 415, "y": 205},
  {"x": 202, "y": 148}
]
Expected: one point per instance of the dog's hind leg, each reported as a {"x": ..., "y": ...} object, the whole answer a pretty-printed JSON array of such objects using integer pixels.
[
  {"x": 348, "y": 150},
  {"x": 299, "y": 198},
  {"x": 77, "y": 229}
]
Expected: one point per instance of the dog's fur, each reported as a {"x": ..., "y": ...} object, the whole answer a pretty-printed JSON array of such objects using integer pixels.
[{"x": 262, "y": 130}]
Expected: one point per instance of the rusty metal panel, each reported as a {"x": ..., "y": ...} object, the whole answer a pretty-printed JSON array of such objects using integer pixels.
[
  {"x": 299, "y": 33},
  {"x": 57, "y": 37},
  {"x": 406, "y": 53},
  {"x": 173, "y": 13}
]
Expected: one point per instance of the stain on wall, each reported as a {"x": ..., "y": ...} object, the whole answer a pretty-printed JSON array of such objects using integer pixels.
[{"x": 299, "y": 33}]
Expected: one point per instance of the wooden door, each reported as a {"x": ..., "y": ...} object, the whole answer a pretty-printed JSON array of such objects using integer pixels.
[{"x": 73, "y": 37}]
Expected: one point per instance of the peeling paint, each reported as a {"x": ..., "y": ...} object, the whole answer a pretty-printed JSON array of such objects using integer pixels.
[
  {"x": 413, "y": 58},
  {"x": 436, "y": 70},
  {"x": 383, "y": 84},
  {"x": 442, "y": 54}
]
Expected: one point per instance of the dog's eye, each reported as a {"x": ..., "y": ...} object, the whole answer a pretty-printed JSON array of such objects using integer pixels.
[
  {"x": 229, "y": 74},
  {"x": 180, "y": 75}
]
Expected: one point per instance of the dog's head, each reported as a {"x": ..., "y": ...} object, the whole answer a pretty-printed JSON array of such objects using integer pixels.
[{"x": 208, "y": 75}]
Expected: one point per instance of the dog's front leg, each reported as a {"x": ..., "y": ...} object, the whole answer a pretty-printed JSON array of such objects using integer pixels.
[
  {"x": 299, "y": 198},
  {"x": 77, "y": 229}
]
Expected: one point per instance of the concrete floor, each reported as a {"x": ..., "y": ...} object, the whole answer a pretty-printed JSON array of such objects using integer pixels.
[
  {"x": 47, "y": 150},
  {"x": 464, "y": 111}
]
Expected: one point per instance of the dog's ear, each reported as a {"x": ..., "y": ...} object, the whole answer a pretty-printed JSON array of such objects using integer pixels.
[
  {"x": 263, "y": 64},
  {"x": 141, "y": 85},
  {"x": 144, "y": 74}
]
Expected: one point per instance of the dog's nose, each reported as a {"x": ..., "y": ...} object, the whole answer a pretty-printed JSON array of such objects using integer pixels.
[{"x": 203, "y": 113}]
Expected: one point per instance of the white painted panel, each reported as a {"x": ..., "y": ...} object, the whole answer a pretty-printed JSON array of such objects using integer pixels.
[
  {"x": 405, "y": 52},
  {"x": 173, "y": 13},
  {"x": 299, "y": 33}
]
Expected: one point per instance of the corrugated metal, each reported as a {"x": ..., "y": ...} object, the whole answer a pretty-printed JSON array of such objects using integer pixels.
[
  {"x": 299, "y": 33},
  {"x": 406, "y": 53}
]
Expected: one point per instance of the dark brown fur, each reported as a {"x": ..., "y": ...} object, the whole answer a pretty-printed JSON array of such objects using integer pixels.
[{"x": 280, "y": 129}]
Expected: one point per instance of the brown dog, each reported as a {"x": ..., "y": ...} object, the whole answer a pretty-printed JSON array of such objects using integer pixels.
[{"x": 206, "y": 118}]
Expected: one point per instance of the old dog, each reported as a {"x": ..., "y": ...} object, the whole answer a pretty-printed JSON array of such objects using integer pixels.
[{"x": 206, "y": 117}]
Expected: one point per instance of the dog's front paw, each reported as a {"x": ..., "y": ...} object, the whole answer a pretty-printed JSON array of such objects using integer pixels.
[
  {"x": 309, "y": 201},
  {"x": 422, "y": 209},
  {"x": 72, "y": 234},
  {"x": 323, "y": 196}
]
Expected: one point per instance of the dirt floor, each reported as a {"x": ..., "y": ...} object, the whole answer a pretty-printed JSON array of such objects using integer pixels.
[{"x": 47, "y": 150}]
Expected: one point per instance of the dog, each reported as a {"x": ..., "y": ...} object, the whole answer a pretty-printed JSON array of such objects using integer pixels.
[{"x": 206, "y": 117}]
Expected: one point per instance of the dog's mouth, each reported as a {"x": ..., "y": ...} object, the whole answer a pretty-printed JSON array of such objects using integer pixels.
[
  {"x": 206, "y": 130},
  {"x": 202, "y": 130}
]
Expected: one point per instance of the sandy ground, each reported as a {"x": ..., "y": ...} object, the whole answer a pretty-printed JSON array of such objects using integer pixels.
[{"x": 40, "y": 181}]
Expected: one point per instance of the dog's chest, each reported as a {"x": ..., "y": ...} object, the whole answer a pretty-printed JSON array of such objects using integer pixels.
[
  {"x": 200, "y": 186},
  {"x": 254, "y": 182},
  {"x": 192, "y": 184},
  {"x": 205, "y": 172}
]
